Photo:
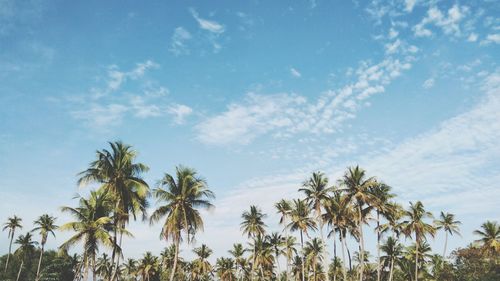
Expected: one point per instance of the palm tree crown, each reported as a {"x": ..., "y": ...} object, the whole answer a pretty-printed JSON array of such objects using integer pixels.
[{"x": 490, "y": 237}]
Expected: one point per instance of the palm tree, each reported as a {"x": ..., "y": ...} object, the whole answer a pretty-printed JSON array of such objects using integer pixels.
[
  {"x": 490, "y": 237},
  {"x": 237, "y": 252},
  {"x": 91, "y": 226},
  {"x": 358, "y": 189},
  {"x": 382, "y": 205},
  {"x": 12, "y": 224},
  {"x": 25, "y": 250},
  {"x": 120, "y": 177},
  {"x": 393, "y": 250},
  {"x": 225, "y": 269},
  {"x": 289, "y": 251},
  {"x": 284, "y": 207},
  {"x": 415, "y": 224},
  {"x": 262, "y": 255},
  {"x": 46, "y": 225},
  {"x": 448, "y": 223},
  {"x": 130, "y": 269},
  {"x": 148, "y": 266},
  {"x": 301, "y": 221},
  {"x": 276, "y": 241},
  {"x": 103, "y": 267},
  {"x": 182, "y": 196},
  {"x": 202, "y": 266},
  {"x": 253, "y": 225},
  {"x": 313, "y": 251},
  {"x": 317, "y": 192}
]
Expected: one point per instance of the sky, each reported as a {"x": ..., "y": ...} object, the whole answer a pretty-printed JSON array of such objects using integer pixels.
[{"x": 255, "y": 95}]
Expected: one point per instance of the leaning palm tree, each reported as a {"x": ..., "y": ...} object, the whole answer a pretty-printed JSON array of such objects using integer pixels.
[
  {"x": 301, "y": 221},
  {"x": 490, "y": 237},
  {"x": 450, "y": 226},
  {"x": 91, "y": 226},
  {"x": 25, "y": 250},
  {"x": 358, "y": 188},
  {"x": 11, "y": 225},
  {"x": 182, "y": 196},
  {"x": 253, "y": 225},
  {"x": 415, "y": 224},
  {"x": 393, "y": 250},
  {"x": 45, "y": 224},
  {"x": 118, "y": 174},
  {"x": 317, "y": 192}
]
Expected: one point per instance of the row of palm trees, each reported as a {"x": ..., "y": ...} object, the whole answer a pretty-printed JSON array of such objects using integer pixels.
[{"x": 329, "y": 212}]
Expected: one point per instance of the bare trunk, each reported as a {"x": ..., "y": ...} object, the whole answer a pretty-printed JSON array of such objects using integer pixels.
[
  {"x": 39, "y": 264},
  {"x": 19, "y": 272},
  {"x": 302, "y": 255},
  {"x": 10, "y": 249},
  {"x": 86, "y": 273},
  {"x": 391, "y": 269},
  {"x": 416, "y": 258},
  {"x": 174, "y": 268},
  {"x": 378, "y": 246},
  {"x": 325, "y": 257},
  {"x": 94, "y": 275},
  {"x": 361, "y": 245},
  {"x": 117, "y": 267},
  {"x": 344, "y": 268},
  {"x": 445, "y": 245},
  {"x": 287, "y": 257},
  {"x": 278, "y": 265}
]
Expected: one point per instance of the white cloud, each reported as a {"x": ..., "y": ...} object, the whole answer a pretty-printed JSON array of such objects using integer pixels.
[
  {"x": 101, "y": 117},
  {"x": 450, "y": 23},
  {"x": 472, "y": 37},
  {"x": 491, "y": 38},
  {"x": 392, "y": 48},
  {"x": 211, "y": 26},
  {"x": 178, "y": 41},
  {"x": 295, "y": 73},
  {"x": 409, "y": 5},
  {"x": 429, "y": 83},
  {"x": 180, "y": 112}
]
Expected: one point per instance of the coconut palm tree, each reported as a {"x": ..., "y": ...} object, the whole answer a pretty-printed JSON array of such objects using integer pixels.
[
  {"x": 45, "y": 224},
  {"x": 253, "y": 226},
  {"x": 118, "y": 174},
  {"x": 393, "y": 250},
  {"x": 358, "y": 188},
  {"x": 490, "y": 237},
  {"x": 415, "y": 224},
  {"x": 289, "y": 251},
  {"x": 313, "y": 252},
  {"x": 25, "y": 250},
  {"x": 262, "y": 255},
  {"x": 276, "y": 242},
  {"x": 103, "y": 267},
  {"x": 317, "y": 192},
  {"x": 382, "y": 205},
  {"x": 283, "y": 208},
  {"x": 130, "y": 269},
  {"x": 182, "y": 196},
  {"x": 202, "y": 266},
  {"x": 91, "y": 225},
  {"x": 450, "y": 226},
  {"x": 11, "y": 225},
  {"x": 147, "y": 266},
  {"x": 225, "y": 269},
  {"x": 237, "y": 252},
  {"x": 302, "y": 222}
]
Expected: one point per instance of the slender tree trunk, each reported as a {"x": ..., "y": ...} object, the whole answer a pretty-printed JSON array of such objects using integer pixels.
[
  {"x": 361, "y": 244},
  {"x": 344, "y": 268},
  {"x": 116, "y": 268},
  {"x": 39, "y": 264},
  {"x": 325, "y": 252},
  {"x": 302, "y": 255},
  {"x": 20, "y": 268},
  {"x": 252, "y": 273},
  {"x": 94, "y": 275},
  {"x": 445, "y": 244},
  {"x": 176, "y": 256},
  {"x": 287, "y": 256},
  {"x": 10, "y": 249},
  {"x": 278, "y": 265},
  {"x": 416, "y": 259},
  {"x": 86, "y": 273},
  {"x": 334, "y": 258},
  {"x": 349, "y": 255},
  {"x": 378, "y": 246},
  {"x": 391, "y": 269}
]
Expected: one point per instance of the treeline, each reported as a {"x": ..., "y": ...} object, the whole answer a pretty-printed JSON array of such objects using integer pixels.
[{"x": 329, "y": 213}]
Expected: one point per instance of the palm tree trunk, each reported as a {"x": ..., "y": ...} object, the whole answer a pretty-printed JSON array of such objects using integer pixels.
[
  {"x": 10, "y": 249},
  {"x": 349, "y": 254},
  {"x": 302, "y": 255},
  {"x": 378, "y": 246},
  {"x": 445, "y": 244},
  {"x": 115, "y": 272},
  {"x": 20, "y": 268},
  {"x": 176, "y": 256},
  {"x": 39, "y": 264},
  {"x": 86, "y": 273},
  {"x": 287, "y": 257},
  {"x": 325, "y": 258},
  {"x": 277, "y": 265},
  {"x": 252, "y": 272},
  {"x": 94, "y": 275},
  {"x": 361, "y": 244},
  {"x": 334, "y": 258},
  {"x": 391, "y": 269},
  {"x": 416, "y": 259},
  {"x": 344, "y": 268}
]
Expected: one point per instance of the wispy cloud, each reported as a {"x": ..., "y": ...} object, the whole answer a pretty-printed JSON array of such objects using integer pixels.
[
  {"x": 295, "y": 73},
  {"x": 209, "y": 25},
  {"x": 429, "y": 83},
  {"x": 178, "y": 41},
  {"x": 491, "y": 38},
  {"x": 409, "y": 5},
  {"x": 180, "y": 112},
  {"x": 449, "y": 23}
]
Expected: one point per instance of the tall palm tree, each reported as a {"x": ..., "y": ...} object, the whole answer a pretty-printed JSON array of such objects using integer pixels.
[
  {"x": 91, "y": 225},
  {"x": 393, "y": 250},
  {"x": 358, "y": 188},
  {"x": 450, "y": 226},
  {"x": 490, "y": 237},
  {"x": 415, "y": 224},
  {"x": 182, "y": 196},
  {"x": 301, "y": 221},
  {"x": 11, "y": 225},
  {"x": 45, "y": 224},
  {"x": 202, "y": 266},
  {"x": 283, "y": 208},
  {"x": 317, "y": 192},
  {"x": 237, "y": 252},
  {"x": 253, "y": 226},
  {"x": 382, "y": 205},
  {"x": 276, "y": 241},
  {"x": 118, "y": 174},
  {"x": 313, "y": 253},
  {"x": 25, "y": 250}
]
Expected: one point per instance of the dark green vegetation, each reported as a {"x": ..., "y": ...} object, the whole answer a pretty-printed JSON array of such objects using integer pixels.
[{"x": 352, "y": 208}]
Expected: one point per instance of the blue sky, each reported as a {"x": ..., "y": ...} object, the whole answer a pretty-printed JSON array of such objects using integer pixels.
[{"x": 255, "y": 96}]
